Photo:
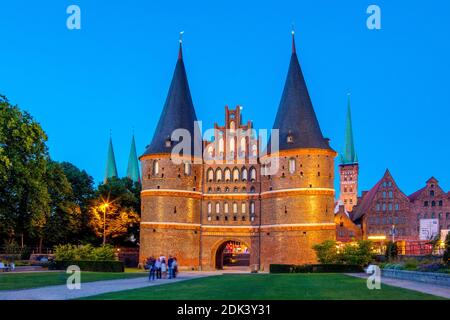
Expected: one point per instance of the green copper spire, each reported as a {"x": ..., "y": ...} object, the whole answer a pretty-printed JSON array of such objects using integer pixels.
[
  {"x": 349, "y": 155},
  {"x": 133, "y": 166},
  {"x": 111, "y": 169}
]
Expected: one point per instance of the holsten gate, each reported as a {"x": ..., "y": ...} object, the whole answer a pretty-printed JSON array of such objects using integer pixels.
[{"x": 236, "y": 211}]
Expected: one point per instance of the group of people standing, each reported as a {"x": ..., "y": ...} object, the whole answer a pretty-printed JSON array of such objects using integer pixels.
[{"x": 160, "y": 269}]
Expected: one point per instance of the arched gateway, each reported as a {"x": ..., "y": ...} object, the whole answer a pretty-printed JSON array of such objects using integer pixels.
[{"x": 232, "y": 253}]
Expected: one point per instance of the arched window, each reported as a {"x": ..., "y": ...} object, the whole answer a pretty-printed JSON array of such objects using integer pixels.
[
  {"x": 210, "y": 152},
  {"x": 187, "y": 168},
  {"x": 232, "y": 146},
  {"x": 432, "y": 193},
  {"x": 235, "y": 189},
  {"x": 384, "y": 206},
  {"x": 209, "y": 207},
  {"x": 235, "y": 207},
  {"x": 254, "y": 150},
  {"x": 244, "y": 174},
  {"x": 291, "y": 165},
  {"x": 221, "y": 146},
  {"x": 218, "y": 175},
  {"x": 243, "y": 207},
  {"x": 391, "y": 195},
  {"x": 232, "y": 125},
  {"x": 252, "y": 174},
  {"x": 210, "y": 175},
  {"x": 236, "y": 174},
  {"x": 433, "y": 203},
  {"x": 217, "y": 207},
  {"x": 227, "y": 174},
  {"x": 225, "y": 207},
  {"x": 397, "y": 207},
  {"x": 252, "y": 189},
  {"x": 384, "y": 194},
  {"x": 243, "y": 147},
  {"x": 155, "y": 167},
  {"x": 252, "y": 207},
  {"x": 390, "y": 206}
]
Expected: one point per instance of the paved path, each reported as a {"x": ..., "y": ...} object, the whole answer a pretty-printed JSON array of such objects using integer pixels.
[
  {"x": 60, "y": 292},
  {"x": 433, "y": 289}
]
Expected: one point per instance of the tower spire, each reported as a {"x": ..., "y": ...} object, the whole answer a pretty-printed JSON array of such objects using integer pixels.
[
  {"x": 133, "y": 165},
  {"x": 294, "y": 51},
  {"x": 111, "y": 168},
  {"x": 296, "y": 120},
  {"x": 180, "y": 50},
  {"x": 349, "y": 155},
  {"x": 178, "y": 113}
]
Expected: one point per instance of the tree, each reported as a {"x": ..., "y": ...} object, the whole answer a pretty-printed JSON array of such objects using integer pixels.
[
  {"x": 63, "y": 222},
  {"x": 326, "y": 251},
  {"x": 122, "y": 212},
  {"x": 391, "y": 250},
  {"x": 83, "y": 193},
  {"x": 24, "y": 200}
]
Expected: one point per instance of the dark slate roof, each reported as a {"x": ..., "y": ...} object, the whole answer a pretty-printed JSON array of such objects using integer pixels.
[
  {"x": 296, "y": 114},
  {"x": 178, "y": 112}
]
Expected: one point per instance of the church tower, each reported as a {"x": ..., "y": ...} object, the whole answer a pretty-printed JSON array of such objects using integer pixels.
[
  {"x": 348, "y": 168},
  {"x": 171, "y": 182},
  {"x": 111, "y": 168},
  {"x": 133, "y": 165},
  {"x": 296, "y": 200}
]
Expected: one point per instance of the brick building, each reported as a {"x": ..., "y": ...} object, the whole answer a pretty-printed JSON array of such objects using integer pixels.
[
  {"x": 223, "y": 204},
  {"x": 385, "y": 212}
]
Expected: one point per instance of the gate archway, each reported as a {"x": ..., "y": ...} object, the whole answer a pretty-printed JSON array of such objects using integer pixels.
[{"x": 232, "y": 253}]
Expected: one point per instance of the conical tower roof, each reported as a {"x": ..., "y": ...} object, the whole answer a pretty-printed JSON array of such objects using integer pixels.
[
  {"x": 133, "y": 165},
  {"x": 178, "y": 112},
  {"x": 111, "y": 168},
  {"x": 349, "y": 156},
  {"x": 296, "y": 120}
]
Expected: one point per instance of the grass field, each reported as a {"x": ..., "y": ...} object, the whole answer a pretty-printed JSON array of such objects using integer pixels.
[
  {"x": 14, "y": 281},
  {"x": 268, "y": 286}
]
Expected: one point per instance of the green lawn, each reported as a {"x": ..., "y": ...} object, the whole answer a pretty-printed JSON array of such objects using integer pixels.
[
  {"x": 268, "y": 286},
  {"x": 14, "y": 281}
]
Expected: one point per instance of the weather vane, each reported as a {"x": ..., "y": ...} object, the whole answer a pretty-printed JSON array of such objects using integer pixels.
[{"x": 181, "y": 36}]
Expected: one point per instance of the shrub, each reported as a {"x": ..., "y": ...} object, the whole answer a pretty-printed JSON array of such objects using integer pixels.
[
  {"x": 433, "y": 267},
  {"x": 68, "y": 252},
  {"x": 326, "y": 251},
  {"x": 391, "y": 250},
  {"x": 446, "y": 256},
  {"x": 103, "y": 253},
  {"x": 359, "y": 253}
]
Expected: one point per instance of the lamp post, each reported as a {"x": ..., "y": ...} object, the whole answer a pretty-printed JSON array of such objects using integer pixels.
[
  {"x": 393, "y": 233},
  {"x": 105, "y": 206}
]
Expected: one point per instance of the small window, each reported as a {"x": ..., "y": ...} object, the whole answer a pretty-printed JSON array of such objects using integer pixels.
[
  {"x": 225, "y": 207},
  {"x": 432, "y": 193},
  {"x": 209, "y": 207},
  {"x": 440, "y": 203},
  {"x": 391, "y": 195},
  {"x": 187, "y": 168},
  {"x": 243, "y": 207},
  {"x": 218, "y": 175},
  {"x": 425, "y": 203},
  {"x": 384, "y": 194},
  {"x": 252, "y": 208},
  {"x": 210, "y": 175},
  {"x": 244, "y": 174},
  {"x": 433, "y": 203},
  {"x": 384, "y": 206},
  {"x": 253, "y": 174},
  {"x": 217, "y": 207},
  {"x": 396, "y": 207},
  {"x": 155, "y": 167},
  {"x": 235, "y": 207},
  {"x": 227, "y": 174},
  {"x": 291, "y": 165}
]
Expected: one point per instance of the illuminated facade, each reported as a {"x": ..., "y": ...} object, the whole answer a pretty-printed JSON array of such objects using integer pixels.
[{"x": 224, "y": 205}]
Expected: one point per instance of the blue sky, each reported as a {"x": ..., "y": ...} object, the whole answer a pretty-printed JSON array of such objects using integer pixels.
[{"x": 114, "y": 73}]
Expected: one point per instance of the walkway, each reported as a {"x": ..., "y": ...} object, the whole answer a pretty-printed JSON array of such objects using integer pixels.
[
  {"x": 61, "y": 292},
  {"x": 433, "y": 289}
]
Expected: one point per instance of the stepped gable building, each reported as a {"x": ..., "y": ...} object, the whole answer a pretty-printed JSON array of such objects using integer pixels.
[
  {"x": 431, "y": 202},
  {"x": 224, "y": 208},
  {"x": 385, "y": 210}
]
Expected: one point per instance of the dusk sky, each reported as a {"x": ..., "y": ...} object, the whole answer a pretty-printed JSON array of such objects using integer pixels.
[{"x": 114, "y": 74}]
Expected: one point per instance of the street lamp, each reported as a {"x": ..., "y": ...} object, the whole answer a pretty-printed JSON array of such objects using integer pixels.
[{"x": 105, "y": 206}]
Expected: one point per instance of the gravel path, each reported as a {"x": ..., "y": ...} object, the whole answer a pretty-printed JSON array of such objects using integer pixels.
[
  {"x": 433, "y": 289},
  {"x": 60, "y": 292}
]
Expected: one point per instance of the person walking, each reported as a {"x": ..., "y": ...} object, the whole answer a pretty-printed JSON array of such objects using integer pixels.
[
  {"x": 174, "y": 267},
  {"x": 152, "y": 269},
  {"x": 170, "y": 266},
  {"x": 164, "y": 269},
  {"x": 158, "y": 268}
]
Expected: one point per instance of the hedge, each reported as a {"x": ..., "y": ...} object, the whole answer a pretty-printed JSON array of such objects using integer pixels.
[
  {"x": 89, "y": 265},
  {"x": 315, "y": 268}
]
